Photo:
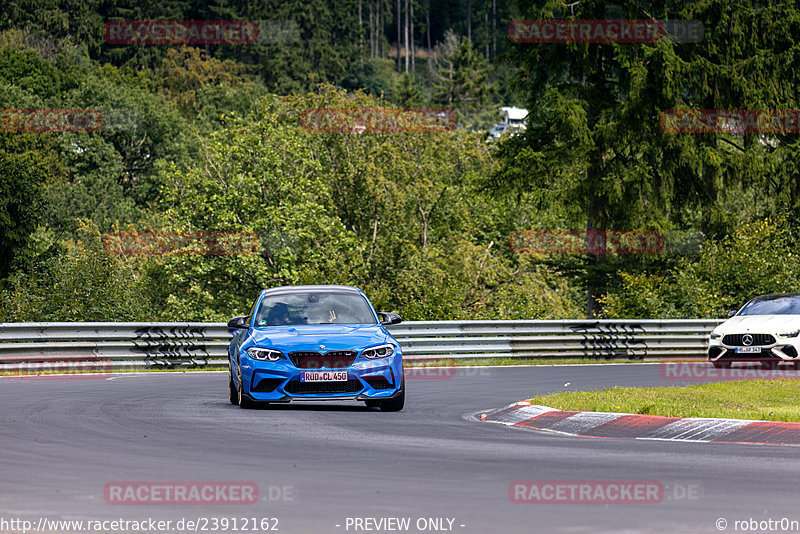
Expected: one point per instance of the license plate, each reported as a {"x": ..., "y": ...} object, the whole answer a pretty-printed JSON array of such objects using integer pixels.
[
  {"x": 747, "y": 350},
  {"x": 323, "y": 376}
]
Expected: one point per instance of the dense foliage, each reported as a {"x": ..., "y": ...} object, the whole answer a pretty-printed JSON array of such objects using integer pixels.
[{"x": 214, "y": 138}]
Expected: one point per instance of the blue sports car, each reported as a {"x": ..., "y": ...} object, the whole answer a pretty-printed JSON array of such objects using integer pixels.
[{"x": 315, "y": 343}]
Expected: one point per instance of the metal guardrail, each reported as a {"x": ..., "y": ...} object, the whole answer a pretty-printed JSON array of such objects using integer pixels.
[{"x": 54, "y": 346}]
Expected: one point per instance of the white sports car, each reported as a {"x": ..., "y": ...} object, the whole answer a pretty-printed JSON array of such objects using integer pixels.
[{"x": 765, "y": 330}]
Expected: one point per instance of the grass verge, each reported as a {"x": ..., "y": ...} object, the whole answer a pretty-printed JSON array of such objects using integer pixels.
[{"x": 769, "y": 400}]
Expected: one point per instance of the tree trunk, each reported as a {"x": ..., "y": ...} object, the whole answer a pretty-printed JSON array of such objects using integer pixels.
[
  {"x": 413, "y": 50},
  {"x": 399, "y": 31},
  {"x": 596, "y": 220},
  {"x": 379, "y": 34},
  {"x": 361, "y": 27},
  {"x": 494, "y": 29},
  {"x": 406, "y": 36},
  {"x": 428, "y": 26},
  {"x": 486, "y": 25},
  {"x": 378, "y": 30},
  {"x": 469, "y": 20},
  {"x": 595, "y": 283},
  {"x": 371, "y": 32}
]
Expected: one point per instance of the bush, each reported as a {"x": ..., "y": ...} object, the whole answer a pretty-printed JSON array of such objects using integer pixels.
[
  {"x": 757, "y": 258},
  {"x": 77, "y": 281}
]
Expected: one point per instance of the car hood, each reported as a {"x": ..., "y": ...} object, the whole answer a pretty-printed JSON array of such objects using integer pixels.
[
  {"x": 759, "y": 324},
  {"x": 310, "y": 337}
]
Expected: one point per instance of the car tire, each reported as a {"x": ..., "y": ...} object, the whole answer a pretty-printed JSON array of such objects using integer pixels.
[
  {"x": 721, "y": 365},
  {"x": 395, "y": 404},
  {"x": 234, "y": 395},
  {"x": 243, "y": 400}
]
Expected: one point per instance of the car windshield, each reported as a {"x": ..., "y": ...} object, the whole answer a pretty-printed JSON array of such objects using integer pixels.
[
  {"x": 317, "y": 307},
  {"x": 784, "y": 305}
]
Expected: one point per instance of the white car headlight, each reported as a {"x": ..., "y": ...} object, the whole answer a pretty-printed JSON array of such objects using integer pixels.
[
  {"x": 793, "y": 333},
  {"x": 381, "y": 351},
  {"x": 264, "y": 354},
  {"x": 715, "y": 335}
]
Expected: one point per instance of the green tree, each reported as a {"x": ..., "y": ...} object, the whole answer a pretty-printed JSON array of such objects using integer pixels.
[
  {"x": 32, "y": 74},
  {"x": 186, "y": 70},
  {"x": 376, "y": 77},
  {"x": 413, "y": 199},
  {"x": 594, "y": 142},
  {"x": 392, "y": 212},
  {"x": 112, "y": 173},
  {"x": 260, "y": 178},
  {"x": 460, "y": 78},
  {"x": 21, "y": 200},
  {"x": 76, "y": 281},
  {"x": 407, "y": 93},
  {"x": 724, "y": 275}
]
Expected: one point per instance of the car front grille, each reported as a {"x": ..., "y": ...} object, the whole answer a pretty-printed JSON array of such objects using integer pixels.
[
  {"x": 758, "y": 340},
  {"x": 335, "y": 359},
  {"x": 300, "y": 388}
]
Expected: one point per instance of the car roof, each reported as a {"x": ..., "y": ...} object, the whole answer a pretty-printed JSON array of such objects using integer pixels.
[
  {"x": 301, "y": 289},
  {"x": 773, "y": 296}
]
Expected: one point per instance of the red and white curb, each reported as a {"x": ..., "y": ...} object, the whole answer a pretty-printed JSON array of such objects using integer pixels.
[{"x": 646, "y": 427}]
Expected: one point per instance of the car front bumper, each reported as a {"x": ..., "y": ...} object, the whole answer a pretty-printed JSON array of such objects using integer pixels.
[
  {"x": 280, "y": 381},
  {"x": 782, "y": 350}
]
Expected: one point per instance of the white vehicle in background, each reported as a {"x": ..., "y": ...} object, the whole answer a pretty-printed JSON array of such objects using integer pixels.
[
  {"x": 765, "y": 330},
  {"x": 513, "y": 120}
]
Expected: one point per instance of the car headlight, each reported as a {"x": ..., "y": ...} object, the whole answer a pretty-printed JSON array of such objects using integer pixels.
[
  {"x": 793, "y": 333},
  {"x": 715, "y": 335},
  {"x": 381, "y": 351},
  {"x": 264, "y": 354}
]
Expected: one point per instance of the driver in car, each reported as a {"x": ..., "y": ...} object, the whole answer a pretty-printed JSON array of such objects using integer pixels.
[{"x": 279, "y": 315}]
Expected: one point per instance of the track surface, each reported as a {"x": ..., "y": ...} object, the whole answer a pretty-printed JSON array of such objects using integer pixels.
[{"x": 63, "y": 440}]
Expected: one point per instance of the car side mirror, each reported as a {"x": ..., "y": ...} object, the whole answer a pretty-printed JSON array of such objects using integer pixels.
[
  {"x": 239, "y": 322},
  {"x": 731, "y": 313},
  {"x": 388, "y": 318}
]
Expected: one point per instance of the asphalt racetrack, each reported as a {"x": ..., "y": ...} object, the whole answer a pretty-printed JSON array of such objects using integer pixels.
[{"x": 63, "y": 440}]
